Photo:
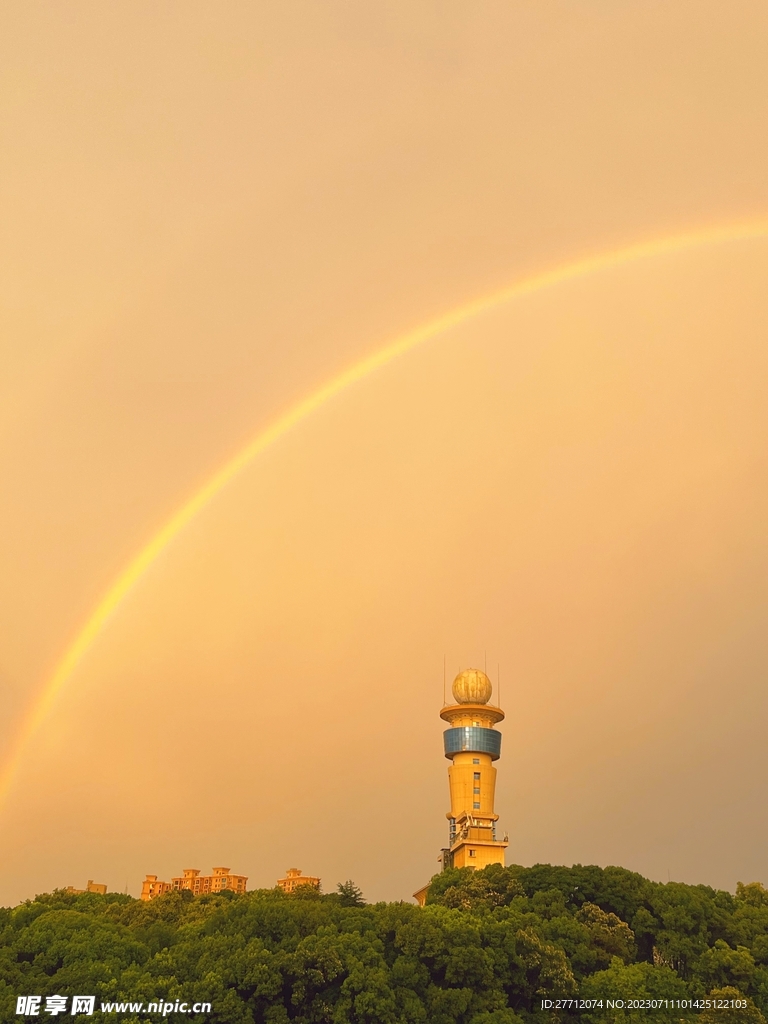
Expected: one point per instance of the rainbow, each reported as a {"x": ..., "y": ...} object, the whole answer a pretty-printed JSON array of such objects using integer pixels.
[{"x": 133, "y": 572}]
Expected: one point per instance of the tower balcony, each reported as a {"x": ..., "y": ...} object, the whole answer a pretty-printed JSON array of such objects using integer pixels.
[{"x": 483, "y": 715}]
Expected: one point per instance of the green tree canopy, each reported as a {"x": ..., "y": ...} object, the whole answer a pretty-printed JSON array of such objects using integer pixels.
[{"x": 490, "y": 947}]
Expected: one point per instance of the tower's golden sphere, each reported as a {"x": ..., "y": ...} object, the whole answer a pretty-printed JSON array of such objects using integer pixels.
[{"x": 471, "y": 687}]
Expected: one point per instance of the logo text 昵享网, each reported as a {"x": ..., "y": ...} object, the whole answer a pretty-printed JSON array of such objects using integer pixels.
[{"x": 36, "y": 1006}]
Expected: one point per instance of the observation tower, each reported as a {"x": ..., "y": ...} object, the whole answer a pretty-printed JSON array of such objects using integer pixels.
[{"x": 472, "y": 743}]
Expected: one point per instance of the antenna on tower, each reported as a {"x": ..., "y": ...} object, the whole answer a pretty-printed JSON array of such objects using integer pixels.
[{"x": 443, "y": 680}]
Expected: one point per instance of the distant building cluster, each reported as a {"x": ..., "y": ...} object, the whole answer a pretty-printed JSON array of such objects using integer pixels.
[
  {"x": 294, "y": 878},
  {"x": 220, "y": 881}
]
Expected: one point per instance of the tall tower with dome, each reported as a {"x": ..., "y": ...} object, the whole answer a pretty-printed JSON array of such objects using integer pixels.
[{"x": 472, "y": 743}]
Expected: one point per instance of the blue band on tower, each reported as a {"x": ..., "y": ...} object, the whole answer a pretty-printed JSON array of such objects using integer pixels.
[{"x": 474, "y": 739}]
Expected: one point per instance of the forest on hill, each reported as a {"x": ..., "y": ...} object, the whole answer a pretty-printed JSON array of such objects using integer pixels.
[{"x": 490, "y": 947}]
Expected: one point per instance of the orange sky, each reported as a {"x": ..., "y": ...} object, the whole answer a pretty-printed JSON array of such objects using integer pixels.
[{"x": 209, "y": 212}]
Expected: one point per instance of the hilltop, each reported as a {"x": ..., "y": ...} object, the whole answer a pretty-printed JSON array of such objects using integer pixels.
[{"x": 487, "y": 949}]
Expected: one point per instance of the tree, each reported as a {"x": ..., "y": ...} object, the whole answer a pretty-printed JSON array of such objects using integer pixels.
[
  {"x": 609, "y": 934},
  {"x": 753, "y": 894},
  {"x": 349, "y": 894},
  {"x": 723, "y": 967},
  {"x": 468, "y": 889},
  {"x": 748, "y": 1014},
  {"x": 629, "y": 982}
]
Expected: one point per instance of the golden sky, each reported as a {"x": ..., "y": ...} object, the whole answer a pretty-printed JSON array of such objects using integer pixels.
[{"x": 209, "y": 211}]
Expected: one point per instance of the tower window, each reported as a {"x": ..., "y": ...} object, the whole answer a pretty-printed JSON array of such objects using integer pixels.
[
  {"x": 475, "y": 760},
  {"x": 475, "y": 807},
  {"x": 477, "y": 776},
  {"x": 472, "y": 853}
]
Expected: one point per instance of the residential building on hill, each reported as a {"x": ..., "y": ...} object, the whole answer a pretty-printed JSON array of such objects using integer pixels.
[
  {"x": 151, "y": 887},
  {"x": 220, "y": 881},
  {"x": 294, "y": 878},
  {"x": 92, "y": 886}
]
